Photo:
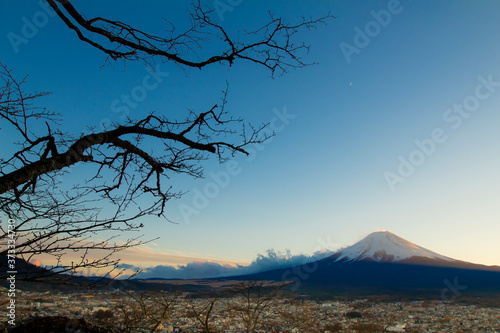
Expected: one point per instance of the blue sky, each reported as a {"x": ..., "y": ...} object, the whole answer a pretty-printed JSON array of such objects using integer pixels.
[{"x": 321, "y": 183}]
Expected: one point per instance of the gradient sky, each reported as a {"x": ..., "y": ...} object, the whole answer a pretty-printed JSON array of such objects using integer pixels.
[{"x": 321, "y": 182}]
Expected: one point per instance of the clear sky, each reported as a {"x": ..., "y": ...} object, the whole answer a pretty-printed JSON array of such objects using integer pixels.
[{"x": 396, "y": 128}]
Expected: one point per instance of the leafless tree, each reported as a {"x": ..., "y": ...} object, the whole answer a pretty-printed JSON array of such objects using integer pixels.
[
  {"x": 53, "y": 218},
  {"x": 147, "y": 310},
  {"x": 255, "y": 297},
  {"x": 204, "y": 309},
  {"x": 121, "y": 177}
]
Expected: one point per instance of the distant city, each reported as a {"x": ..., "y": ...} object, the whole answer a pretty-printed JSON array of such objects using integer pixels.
[{"x": 283, "y": 314}]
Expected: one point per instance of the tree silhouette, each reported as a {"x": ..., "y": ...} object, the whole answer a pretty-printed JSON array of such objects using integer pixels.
[{"x": 127, "y": 166}]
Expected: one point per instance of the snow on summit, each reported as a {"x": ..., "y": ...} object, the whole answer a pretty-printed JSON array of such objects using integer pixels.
[{"x": 386, "y": 246}]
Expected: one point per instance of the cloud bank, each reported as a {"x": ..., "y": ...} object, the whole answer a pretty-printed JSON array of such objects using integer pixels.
[{"x": 207, "y": 269}]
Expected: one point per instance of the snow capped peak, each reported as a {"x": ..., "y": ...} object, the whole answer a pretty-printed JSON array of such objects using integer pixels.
[{"x": 386, "y": 246}]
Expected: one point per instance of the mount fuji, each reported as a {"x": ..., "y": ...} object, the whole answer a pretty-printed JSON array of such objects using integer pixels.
[
  {"x": 384, "y": 246},
  {"x": 385, "y": 264}
]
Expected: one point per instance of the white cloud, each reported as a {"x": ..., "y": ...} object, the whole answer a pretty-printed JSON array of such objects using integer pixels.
[{"x": 206, "y": 268}]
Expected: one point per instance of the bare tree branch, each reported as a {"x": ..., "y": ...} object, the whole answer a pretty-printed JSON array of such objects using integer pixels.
[{"x": 271, "y": 45}]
